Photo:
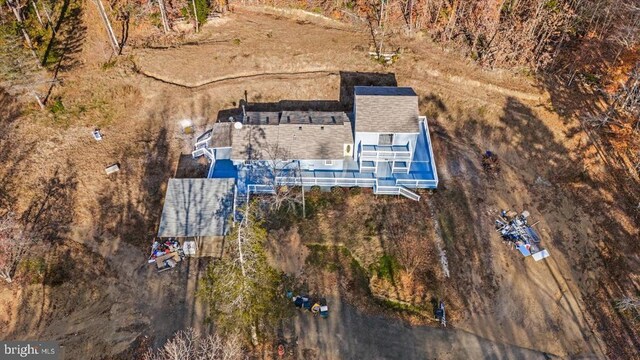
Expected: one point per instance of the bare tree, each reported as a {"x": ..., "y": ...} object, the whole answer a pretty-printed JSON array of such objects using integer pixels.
[
  {"x": 195, "y": 14},
  {"x": 629, "y": 304},
  {"x": 15, "y": 245},
  {"x": 411, "y": 254},
  {"x": 16, "y": 8},
  {"x": 190, "y": 344},
  {"x": 283, "y": 174},
  {"x": 375, "y": 16},
  {"x": 163, "y": 16}
]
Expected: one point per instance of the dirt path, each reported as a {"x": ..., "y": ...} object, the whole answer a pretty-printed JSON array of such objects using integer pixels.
[
  {"x": 350, "y": 334},
  {"x": 227, "y": 53}
]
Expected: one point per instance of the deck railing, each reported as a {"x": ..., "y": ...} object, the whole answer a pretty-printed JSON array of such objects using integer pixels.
[
  {"x": 329, "y": 181},
  {"x": 203, "y": 151},
  {"x": 391, "y": 152},
  {"x": 395, "y": 190},
  {"x": 260, "y": 189},
  {"x": 413, "y": 183}
]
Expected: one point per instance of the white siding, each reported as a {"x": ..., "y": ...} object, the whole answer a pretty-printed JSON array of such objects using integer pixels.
[{"x": 367, "y": 138}]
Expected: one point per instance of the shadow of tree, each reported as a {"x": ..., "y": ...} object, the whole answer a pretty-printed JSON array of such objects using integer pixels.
[
  {"x": 529, "y": 147},
  {"x": 68, "y": 38},
  {"x": 131, "y": 204},
  {"x": 13, "y": 152},
  {"x": 51, "y": 210}
]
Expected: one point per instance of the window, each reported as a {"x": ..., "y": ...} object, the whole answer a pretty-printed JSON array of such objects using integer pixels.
[
  {"x": 385, "y": 139},
  {"x": 328, "y": 162}
]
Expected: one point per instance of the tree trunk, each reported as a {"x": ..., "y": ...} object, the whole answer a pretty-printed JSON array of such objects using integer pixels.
[
  {"x": 38, "y": 100},
  {"x": 35, "y": 7},
  {"x": 6, "y": 276},
  {"x": 163, "y": 15},
  {"x": 48, "y": 15},
  {"x": 195, "y": 14},
  {"x": 18, "y": 16},
  {"x": 254, "y": 335},
  {"x": 112, "y": 36}
]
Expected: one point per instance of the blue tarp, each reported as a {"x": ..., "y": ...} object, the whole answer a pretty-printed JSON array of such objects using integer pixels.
[{"x": 523, "y": 249}]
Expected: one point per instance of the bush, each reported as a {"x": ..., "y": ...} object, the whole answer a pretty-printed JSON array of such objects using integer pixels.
[
  {"x": 338, "y": 195},
  {"x": 33, "y": 269},
  {"x": 57, "y": 106},
  {"x": 386, "y": 267}
]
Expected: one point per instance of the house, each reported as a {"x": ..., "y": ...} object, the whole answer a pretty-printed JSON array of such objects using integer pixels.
[
  {"x": 382, "y": 144},
  {"x": 385, "y": 145}
]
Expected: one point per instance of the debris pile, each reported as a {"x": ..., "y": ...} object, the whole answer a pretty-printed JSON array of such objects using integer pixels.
[
  {"x": 317, "y": 306},
  {"x": 166, "y": 255},
  {"x": 490, "y": 162},
  {"x": 515, "y": 229}
]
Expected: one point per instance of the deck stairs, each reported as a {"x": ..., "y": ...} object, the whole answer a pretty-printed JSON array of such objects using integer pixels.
[{"x": 388, "y": 187}]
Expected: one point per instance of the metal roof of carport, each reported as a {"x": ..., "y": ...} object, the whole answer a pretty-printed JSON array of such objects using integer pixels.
[{"x": 197, "y": 207}]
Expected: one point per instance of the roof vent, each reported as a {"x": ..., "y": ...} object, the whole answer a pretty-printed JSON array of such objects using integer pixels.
[
  {"x": 237, "y": 125},
  {"x": 321, "y": 127},
  {"x": 299, "y": 127}
]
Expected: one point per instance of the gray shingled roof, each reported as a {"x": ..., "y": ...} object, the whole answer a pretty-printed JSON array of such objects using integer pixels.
[
  {"x": 386, "y": 109},
  {"x": 295, "y": 137},
  {"x": 197, "y": 207}
]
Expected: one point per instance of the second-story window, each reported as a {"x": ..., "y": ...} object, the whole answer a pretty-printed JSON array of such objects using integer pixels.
[{"x": 385, "y": 139}]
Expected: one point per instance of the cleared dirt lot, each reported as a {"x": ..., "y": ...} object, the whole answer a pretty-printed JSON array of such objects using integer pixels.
[{"x": 501, "y": 305}]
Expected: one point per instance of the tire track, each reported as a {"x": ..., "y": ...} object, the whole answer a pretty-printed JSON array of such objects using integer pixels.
[{"x": 270, "y": 75}]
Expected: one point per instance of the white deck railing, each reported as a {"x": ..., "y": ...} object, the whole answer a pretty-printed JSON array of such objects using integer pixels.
[
  {"x": 385, "y": 155},
  {"x": 203, "y": 151},
  {"x": 260, "y": 189},
  {"x": 395, "y": 190},
  {"x": 377, "y": 152},
  {"x": 412, "y": 183},
  {"x": 318, "y": 181}
]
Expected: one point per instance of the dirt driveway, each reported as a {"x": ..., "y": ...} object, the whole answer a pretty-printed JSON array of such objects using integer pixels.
[{"x": 350, "y": 334}]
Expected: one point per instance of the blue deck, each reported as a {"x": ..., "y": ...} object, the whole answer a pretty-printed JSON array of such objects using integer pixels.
[{"x": 224, "y": 169}]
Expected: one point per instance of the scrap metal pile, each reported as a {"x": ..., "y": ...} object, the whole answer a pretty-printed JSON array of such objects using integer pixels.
[{"x": 515, "y": 229}]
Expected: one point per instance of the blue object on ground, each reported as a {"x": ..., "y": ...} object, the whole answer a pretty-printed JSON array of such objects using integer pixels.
[{"x": 523, "y": 249}]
